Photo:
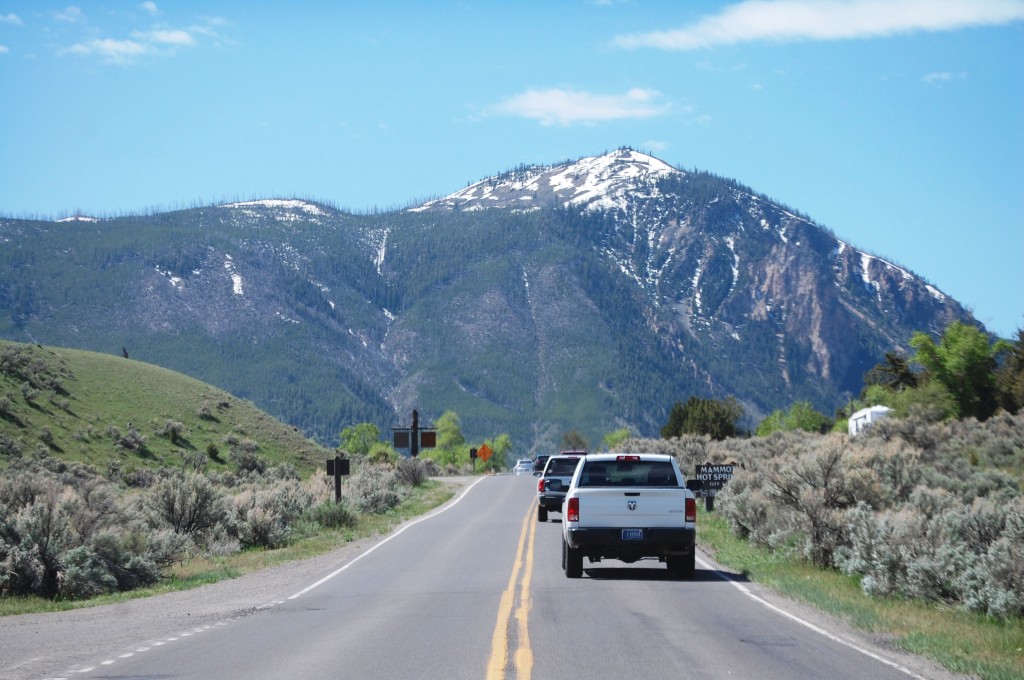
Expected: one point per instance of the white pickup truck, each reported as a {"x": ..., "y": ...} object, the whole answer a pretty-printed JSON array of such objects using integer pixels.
[{"x": 629, "y": 506}]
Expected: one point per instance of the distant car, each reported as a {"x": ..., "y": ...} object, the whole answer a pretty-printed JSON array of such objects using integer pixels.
[
  {"x": 538, "y": 464},
  {"x": 524, "y": 467}
]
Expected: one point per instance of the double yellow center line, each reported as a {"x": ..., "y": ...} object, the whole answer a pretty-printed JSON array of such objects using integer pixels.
[{"x": 518, "y": 584}]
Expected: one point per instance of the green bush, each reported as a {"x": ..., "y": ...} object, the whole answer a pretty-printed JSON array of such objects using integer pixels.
[
  {"x": 331, "y": 515},
  {"x": 85, "y": 575}
]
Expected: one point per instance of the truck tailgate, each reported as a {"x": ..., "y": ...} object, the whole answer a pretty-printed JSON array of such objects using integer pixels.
[{"x": 641, "y": 507}]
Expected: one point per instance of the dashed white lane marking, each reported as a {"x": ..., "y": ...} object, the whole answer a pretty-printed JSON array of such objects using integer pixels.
[
  {"x": 810, "y": 626},
  {"x": 148, "y": 647}
]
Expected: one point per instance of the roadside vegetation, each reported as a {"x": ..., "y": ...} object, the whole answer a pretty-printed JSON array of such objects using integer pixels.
[
  {"x": 914, "y": 528},
  {"x": 118, "y": 477},
  {"x": 962, "y": 642},
  {"x": 69, "y": 533}
]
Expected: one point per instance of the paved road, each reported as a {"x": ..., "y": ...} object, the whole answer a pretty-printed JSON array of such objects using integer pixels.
[{"x": 473, "y": 591}]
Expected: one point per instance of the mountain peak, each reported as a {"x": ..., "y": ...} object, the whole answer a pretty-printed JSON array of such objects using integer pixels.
[{"x": 592, "y": 183}]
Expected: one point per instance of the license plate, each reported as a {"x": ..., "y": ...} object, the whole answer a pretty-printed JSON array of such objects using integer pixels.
[{"x": 632, "y": 534}]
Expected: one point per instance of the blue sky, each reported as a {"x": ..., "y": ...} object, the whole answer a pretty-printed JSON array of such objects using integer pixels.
[{"x": 897, "y": 124}]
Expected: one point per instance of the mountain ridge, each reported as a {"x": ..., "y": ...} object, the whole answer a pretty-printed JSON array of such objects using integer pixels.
[{"x": 586, "y": 295}]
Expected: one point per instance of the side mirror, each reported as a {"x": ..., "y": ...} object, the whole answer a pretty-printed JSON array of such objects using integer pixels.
[{"x": 537, "y": 474}]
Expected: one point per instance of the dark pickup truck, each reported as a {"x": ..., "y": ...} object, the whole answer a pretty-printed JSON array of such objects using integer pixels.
[{"x": 554, "y": 482}]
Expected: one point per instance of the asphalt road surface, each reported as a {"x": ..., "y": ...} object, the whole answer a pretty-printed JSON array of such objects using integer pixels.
[{"x": 472, "y": 591}]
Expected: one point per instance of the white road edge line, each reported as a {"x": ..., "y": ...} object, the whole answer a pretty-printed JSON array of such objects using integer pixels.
[
  {"x": 414, "y": 522},
  {"x": 807, "y": 624}
]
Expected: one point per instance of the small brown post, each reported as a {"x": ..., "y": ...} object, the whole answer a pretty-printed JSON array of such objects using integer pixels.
[{"x": 336, "y": 468}]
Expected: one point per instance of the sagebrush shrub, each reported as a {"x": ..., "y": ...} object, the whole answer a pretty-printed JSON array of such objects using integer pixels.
[
  {"x": 32, "y": 542},
  {"x": 916, "y": 508},
  {"x": 411, "y": 471},
  {"x": 186, "y": 503},
  {"x": 85, "y": 575},
  {"x": 331, "y": 515},
  {"x": 263, "y": 516},
  {"x": 374, "y": 489},
  {"x": 11, "y": 447},
  {"x": 257, "y": 525},
  {"x": 248, "y": 462}
]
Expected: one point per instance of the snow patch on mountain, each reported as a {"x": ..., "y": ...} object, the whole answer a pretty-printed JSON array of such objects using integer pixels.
[
  {"x": 176, "y": 281},
  {"x": 606, "y": 182},
  {"x": 870, "y": 262},
  {"x": 731, "y": 242},
  {"x": 281, "y": 209},
  {"x": 287, "y": 204},
  {"x": 236, "y": 278}
]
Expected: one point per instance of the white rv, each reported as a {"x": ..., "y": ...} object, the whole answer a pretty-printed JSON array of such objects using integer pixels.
[{"x": 862, "y": 419}]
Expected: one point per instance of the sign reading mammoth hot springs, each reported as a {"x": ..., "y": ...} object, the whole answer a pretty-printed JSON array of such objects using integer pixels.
[{"x": 713, "y": 476}]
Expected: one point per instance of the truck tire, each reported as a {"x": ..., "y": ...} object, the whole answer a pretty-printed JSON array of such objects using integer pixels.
[
  {"x": 683, "y": 566},
  {"x": 572, "y": 561},
  {"x": 542, "y": 514}
]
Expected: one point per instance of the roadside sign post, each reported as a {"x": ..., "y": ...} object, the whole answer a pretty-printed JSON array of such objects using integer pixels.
[
  {"x": 713, "y": 477},
  {"x": 472, "y": 458},
  {"x": 484, "y": 453},
  {"x": 414, "y": 438},
  {"x": 336, "y": 468}
]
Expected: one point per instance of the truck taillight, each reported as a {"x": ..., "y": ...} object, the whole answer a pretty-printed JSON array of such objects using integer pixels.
[
  {"x": 691, "y": 510},
  {"x": 572, "y": 513},
  {"x": 540, "y": 485}
]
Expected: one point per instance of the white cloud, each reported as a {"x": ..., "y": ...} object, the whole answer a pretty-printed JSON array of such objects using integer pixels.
[
  {"x": 152, "y": 43},
  {"x": 174, "y": 37},
  {"x": 4, "y": 49},
  {"x": 150, "y": 7},
  {"x": 565, "y": 107},
  {"x": 11, "y": 19},
  {"x": 796, "y": 20},
  {"x": 110, "y": 50},
  {"x": 69, "y": 15},
  {"x": 158, "y": 42},
  {"x": 940, "y": 77}
]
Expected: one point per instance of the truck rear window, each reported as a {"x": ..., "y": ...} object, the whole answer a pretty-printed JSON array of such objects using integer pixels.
[
  {"x": 562, "y": 467},
  {"x": 628, "y": 473}
]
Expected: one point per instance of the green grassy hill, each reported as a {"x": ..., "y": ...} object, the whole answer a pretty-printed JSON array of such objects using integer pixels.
[{"x": 107, "y": 411}]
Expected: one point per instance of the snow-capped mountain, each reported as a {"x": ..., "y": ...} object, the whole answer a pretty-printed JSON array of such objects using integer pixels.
[
  {"x": 711, "y": 254},
  {"x": 605, "y": 182},
  {"x": 587, "y": 295}
]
